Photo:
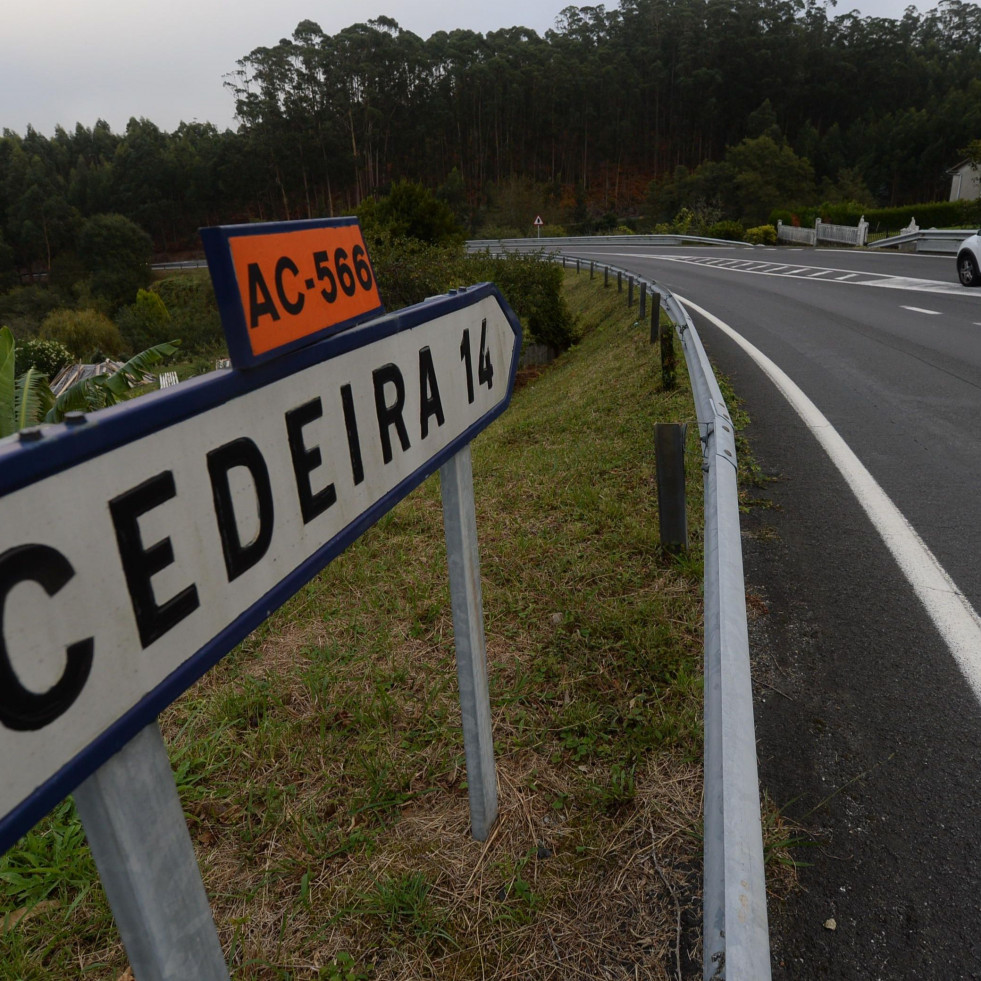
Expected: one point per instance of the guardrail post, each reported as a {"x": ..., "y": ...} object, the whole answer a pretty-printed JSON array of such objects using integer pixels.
[
  {"x": 666, "y": 335},
  {"x": 592, "y": 268},
  {"x": 655, "y": 314},
  {"x": 669, "y": 466},
  {"x": 630, "y": 291},
  {"x": 606, "y": 276},
  {"x": 643, "y": 301},
  {"x": 136, "y": 829},
  {"x": 577, "y": 267},
  {"x": 463, "y": 558},
  {"x": 619, "y": 281}
]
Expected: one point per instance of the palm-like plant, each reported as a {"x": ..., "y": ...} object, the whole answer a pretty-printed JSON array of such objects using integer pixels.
[{"x": 29, "y": 401}]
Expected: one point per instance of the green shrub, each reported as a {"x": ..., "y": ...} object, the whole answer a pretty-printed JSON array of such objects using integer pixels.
[
  {"x": 48, "y": 357},
  {"x": 145, "y": 322},
  {"x": 23, "y": 308},
  {"x": 116, "y": 254},
  {"x": 189, "y": 298},
  {"x": 762, "y": 235},
  {"x": 409, "y": 270},
  {"x": 533, "y": 287},
  {"x": 87, "y": 334},
  {"x": 731, "y": 231}
]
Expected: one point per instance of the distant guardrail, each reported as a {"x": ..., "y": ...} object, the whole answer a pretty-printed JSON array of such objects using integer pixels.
[
  {"x": 554, "y": 244},
  {"x": 937, "y": 241},
  {"x": 185, "y": 264}
]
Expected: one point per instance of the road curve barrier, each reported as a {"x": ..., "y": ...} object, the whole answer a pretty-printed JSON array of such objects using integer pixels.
[{"x": 735, "y": 932}]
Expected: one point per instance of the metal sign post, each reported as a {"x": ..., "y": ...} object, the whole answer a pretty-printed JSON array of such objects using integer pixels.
[
  {"x": 135, "y": 827},
  {"x": 460, "y": 526}
]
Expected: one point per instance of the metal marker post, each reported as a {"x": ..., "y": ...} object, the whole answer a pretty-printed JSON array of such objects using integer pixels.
[
  {"x": 136, "y": 830},
  {"x": 655, "y": 314},
  {"x": 460, "y": 528}
]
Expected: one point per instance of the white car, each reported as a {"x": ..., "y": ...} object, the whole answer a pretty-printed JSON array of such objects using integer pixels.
[{"x": 969, "y": 260}]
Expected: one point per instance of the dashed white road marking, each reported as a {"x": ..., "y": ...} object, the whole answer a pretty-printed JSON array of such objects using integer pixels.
[
  {"x": 932, "y": 313},
  {"x": 948, "y": 608}
]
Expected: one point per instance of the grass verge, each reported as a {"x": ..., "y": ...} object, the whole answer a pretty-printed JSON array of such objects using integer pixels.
[{"x": 321, "y": 763}]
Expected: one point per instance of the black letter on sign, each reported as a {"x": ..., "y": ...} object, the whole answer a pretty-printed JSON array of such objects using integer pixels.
[
  {"x": 353, "y": 442},
  {"x": 257, "y": 285},
  {"x": 307, "y": 460},
  {"x": 21, "y": 709},
  {"x": 389, "y": 415},
  {"x": 241, "y": 452},
  {"x": 291, "y": 306},
  {"x": 429, "y": 401},
  {"x": 140, "y": 563}
]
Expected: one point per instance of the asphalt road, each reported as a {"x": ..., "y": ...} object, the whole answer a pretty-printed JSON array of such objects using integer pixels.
[{"x": 869, "y": 735}]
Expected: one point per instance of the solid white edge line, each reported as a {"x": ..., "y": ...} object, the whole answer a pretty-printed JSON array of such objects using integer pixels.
[{"x": 948, "y": 608}]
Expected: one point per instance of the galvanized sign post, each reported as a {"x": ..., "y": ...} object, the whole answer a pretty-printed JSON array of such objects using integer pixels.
[{"x": 138, "y": 546}]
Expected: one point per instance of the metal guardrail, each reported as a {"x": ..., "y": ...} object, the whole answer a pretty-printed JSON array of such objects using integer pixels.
[
  {"x": 735, "y": 931},
  {"x": 549, "y": 244},
  {"x": 942, "y": 241},
  {"x": 184, "y": 264}
]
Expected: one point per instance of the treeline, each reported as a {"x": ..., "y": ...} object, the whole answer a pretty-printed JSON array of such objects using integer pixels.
[{"x": 578, "y": 121}]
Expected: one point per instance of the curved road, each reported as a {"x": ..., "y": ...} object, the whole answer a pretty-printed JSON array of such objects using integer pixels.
[{"x": 869, "y": 732}]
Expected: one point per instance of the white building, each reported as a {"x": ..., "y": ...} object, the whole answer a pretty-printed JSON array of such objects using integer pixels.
[{"x": 964, "y": 181}]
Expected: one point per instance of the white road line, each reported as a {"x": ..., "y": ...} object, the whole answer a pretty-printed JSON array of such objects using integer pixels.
[
  {"x": 948, "y": 608},
  {"x": 932, "y": 313}
]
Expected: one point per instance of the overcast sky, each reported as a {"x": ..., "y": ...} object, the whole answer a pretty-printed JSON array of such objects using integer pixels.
[{"x": 68, "y": 61}]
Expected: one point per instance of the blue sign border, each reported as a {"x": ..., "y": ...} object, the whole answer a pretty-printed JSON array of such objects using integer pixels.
[
  {"x": 218, "y": 252},
  {"x": 64, "y": 446}
]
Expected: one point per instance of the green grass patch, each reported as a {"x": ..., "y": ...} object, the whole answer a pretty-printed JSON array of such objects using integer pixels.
[{"x": 321, "y": 763}]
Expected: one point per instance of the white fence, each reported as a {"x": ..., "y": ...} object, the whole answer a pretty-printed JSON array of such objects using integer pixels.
[{"x": 824, "y": 232}]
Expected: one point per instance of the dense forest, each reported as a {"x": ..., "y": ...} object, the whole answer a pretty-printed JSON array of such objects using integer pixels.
[{"x": 612, "y": 113}]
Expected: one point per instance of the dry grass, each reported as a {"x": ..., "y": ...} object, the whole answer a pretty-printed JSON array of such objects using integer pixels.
[{"x": 321, "y": 763}]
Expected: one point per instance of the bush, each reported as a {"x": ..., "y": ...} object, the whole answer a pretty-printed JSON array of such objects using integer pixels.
[
  {"x": 145, "y": 322},
  {"x": 408, "y": 271},
  {"x": 410, "y": 210},
  {"x": 116, "y": 254},
  {"x": 762, "y": 235},
  {"x": 48, "y": 357},
  {"x": 500, "y": 231},
  {"x": 731, "y": 231},
  {"x": 189, "y": 298},
  {"x": 88, "y": 335},
  {"x": 533, "y": 287},
  {"x": 24, "y": 307}
]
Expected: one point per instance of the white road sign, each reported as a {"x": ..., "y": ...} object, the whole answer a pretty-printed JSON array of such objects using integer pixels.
[{"x": 139, "y": 546}]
